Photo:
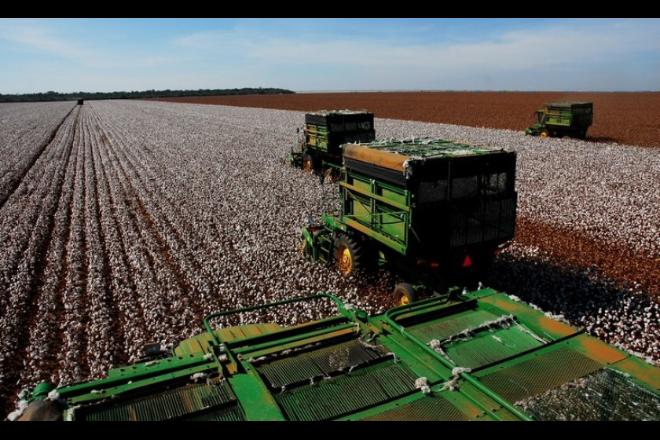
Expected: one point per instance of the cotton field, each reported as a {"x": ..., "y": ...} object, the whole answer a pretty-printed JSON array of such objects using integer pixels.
[{"x": 125, "y": 222}]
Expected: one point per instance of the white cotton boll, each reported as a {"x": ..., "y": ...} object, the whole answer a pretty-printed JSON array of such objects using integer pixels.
[
  {"x": 421, "y": 382},
  {"x": 197, "y": 213},
  {"x": 198, "y": 376},
  {"x": 22, "y": 405}
]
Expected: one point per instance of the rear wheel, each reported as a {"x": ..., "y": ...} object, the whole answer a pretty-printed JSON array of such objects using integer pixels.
[
  {"x": 348, "y": 255},
  {"x": 404, "y": 294},
  {"x": 331, "y": 175}
]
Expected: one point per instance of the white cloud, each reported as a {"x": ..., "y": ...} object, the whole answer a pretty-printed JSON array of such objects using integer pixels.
[
  {"x": 576, "y": 45},
  {"x": 566, "y": 54},
  {"x": 39, "y": 36}
]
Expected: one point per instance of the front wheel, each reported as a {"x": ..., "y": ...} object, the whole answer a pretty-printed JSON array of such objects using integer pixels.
[
  {"x": 308, "y": 163},
  {"x": 348, "y": 255},
  {"x": 331, "y": 176},
  {"x": 303, "y": 247},
  {"x": 404, "y": 294}
]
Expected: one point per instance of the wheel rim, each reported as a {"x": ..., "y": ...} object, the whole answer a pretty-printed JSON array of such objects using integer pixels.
[
  {"x": 544, "y": 134},
  {"x": 345, "y": 260},
  {"x": 403, "y": 300},
  {"x": 307, "y": 165}
]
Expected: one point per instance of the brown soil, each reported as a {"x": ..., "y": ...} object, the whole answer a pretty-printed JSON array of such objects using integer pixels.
[
  {"x": 628, "y": 118},
  {"x": 570, "y": 248}
]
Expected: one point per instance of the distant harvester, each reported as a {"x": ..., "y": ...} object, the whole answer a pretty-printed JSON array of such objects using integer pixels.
[{"x": 563, "y": 119}]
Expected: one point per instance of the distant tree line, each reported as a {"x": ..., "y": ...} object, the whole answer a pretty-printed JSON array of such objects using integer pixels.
[{"x": 55, "y": 96}]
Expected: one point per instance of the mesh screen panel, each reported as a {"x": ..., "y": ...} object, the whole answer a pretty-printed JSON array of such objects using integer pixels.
[{"x": 603, "y": 395}]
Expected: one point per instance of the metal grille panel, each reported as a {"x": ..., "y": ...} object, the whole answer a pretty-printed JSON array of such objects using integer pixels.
[
  {"x": 170, "y": 404},
  {"x": 316, "y": 363},
  {"x": 450, "y": 325},
  {"x": 424, "y": 409},
  {"x": 229, "y": 414},
  {"x": 489, "y": 347},
  {"x": 539, "y": 374},
  {"x": 347, "y": 393}
]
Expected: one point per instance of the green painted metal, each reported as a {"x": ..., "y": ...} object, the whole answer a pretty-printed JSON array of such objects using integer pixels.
[
  {"x": 420, "y": 206},
  {"x": 379, "y": 210},
  {"x": 563, "y": 119},
  {"x": 325, "y": 132},
  {"x": 409, "y": 363}
]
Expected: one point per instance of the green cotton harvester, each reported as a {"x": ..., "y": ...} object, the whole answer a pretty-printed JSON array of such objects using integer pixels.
[
  {"x": 320, "y": 148},
  {"x": 434, "y": 211},
  {"x": 563, "y": 119},
  {"x": 480, "y": 355}
]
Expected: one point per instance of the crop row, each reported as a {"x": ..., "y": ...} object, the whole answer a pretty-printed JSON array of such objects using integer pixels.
[{"x": 138, "y": 218}]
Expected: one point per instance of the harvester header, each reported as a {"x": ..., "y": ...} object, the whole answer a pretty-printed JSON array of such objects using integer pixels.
[{"x": 482, "y": 355}]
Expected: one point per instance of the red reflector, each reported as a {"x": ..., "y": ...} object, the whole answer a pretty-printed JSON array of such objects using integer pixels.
[{"x": 467, "y": 262}]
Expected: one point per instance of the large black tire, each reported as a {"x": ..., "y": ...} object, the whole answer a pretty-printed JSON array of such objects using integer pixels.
[
  {"x": 331, "y": 175},
  {"x": 308, "y": 163},
  {"x": 304, "y": 248},
  {"x": 404, "y": 294},
  {"x": 348, "y": 255}
]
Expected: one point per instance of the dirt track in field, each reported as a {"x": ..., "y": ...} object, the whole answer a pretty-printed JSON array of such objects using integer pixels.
[{"x": 626, "y": 118}]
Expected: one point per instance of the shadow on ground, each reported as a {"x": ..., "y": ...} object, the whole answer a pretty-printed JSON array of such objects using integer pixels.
[
  {"x": 608, "y": 311},
  {"x": 604, "y": 139}
]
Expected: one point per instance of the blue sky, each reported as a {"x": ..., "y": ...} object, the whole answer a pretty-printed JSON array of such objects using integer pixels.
[{"x": 69, "y": 55}]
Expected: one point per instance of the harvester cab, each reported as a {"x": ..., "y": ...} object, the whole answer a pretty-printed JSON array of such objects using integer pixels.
[
  {"x": 562, "y": 119},
  {"x": 434, "y": 211},
  {"x": 319, "y": 150}
]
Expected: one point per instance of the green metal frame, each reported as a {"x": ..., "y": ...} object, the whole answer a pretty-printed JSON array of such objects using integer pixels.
[
  {"x": 316, "y": 143},
  {"x": 562, "y": 120},
  {"x": 403, "y": 332}
]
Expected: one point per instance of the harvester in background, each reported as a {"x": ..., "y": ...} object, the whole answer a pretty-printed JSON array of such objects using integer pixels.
[
  {"x": 482, "y": 355},
  {"x": 563, "y": 119},
  {"x": 432, "y": 210},
  {"x": 319, "y": 149}
]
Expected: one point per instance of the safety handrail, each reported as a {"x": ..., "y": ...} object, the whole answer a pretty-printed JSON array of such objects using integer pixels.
[{"x": 338, "y": 302}]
